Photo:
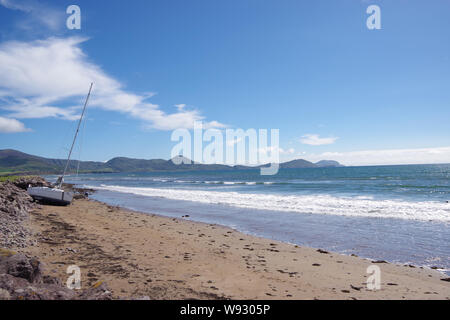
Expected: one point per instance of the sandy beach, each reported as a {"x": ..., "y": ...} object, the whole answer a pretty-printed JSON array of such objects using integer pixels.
[{"x": 142, "y": 255}]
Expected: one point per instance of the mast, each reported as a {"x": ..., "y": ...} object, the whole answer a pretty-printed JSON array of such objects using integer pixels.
[{"x": 60, "y": 180}]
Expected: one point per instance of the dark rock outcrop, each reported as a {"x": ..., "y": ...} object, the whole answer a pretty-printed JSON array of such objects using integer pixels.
[
  {"x": 34, "y": 181},
  {"x": 21, "y": 278}
]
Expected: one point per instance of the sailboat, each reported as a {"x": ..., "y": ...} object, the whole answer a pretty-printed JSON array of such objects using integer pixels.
[{"x": 56, "y": 194}]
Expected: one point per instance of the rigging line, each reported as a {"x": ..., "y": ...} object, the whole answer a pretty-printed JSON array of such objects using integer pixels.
[
  {"x": 75, "y": 137},
  {"x": 83, "y": 133}
]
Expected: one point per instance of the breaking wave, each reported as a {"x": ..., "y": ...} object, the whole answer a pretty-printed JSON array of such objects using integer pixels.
[{"x": 310, "y": 204}]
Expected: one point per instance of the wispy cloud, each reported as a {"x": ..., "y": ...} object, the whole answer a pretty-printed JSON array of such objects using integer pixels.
[
  {"x": 280, "y": 150},
  {"x": 386, "y": 157},
  {"x": 38, "y": 15},
  {"x": 180, "y": 106},
  {"x": 48, "y": 78},
  {"x": 316, "y": 140},
  {"x": 8, "y": 125}
]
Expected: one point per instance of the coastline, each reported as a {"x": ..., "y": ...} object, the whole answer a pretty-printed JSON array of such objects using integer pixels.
[{"x": 140, "y": 254}]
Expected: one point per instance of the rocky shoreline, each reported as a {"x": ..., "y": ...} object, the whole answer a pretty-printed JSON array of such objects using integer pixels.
[
  {"x": 15, "y": 204},
  {"x": 22, "y": 277}
]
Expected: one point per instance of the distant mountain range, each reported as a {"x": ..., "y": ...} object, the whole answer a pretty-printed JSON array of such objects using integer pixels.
[{"x": 13, "y": 161}]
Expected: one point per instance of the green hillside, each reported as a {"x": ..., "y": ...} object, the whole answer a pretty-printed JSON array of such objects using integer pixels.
[{"x": 13, "y": 161}]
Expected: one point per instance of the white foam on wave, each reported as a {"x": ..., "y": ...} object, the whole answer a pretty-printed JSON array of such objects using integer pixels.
[{"x": 314, "y": 204}]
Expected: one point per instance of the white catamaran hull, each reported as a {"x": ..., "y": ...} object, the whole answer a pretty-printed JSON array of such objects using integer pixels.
[{"x": 50, "y": 195}]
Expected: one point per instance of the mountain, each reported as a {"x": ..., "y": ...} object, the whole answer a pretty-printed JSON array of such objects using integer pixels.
[
  {"x": 16, "y": 161},
  {"x": 139, "y": 165},
  {"x": 299, "y": 163},
  {"x": 328, "y": 163},
  {"x": 13, "y": 161}
]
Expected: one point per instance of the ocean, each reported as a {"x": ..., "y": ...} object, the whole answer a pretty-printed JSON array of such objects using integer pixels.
[{"x": 396, "y": 213}]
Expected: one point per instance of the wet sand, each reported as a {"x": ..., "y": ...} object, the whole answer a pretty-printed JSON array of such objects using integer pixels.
[{"x": 139, "y": 254}]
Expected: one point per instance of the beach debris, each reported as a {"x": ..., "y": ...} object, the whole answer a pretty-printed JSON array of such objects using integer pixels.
[
  {"x": 322, "y": 251},
  {"x": 355, "y": 288},
  {"x": 379, "y": 261},
  {"x": 446, "y": 279},
  {"x": 6, "y": 252},
  {"x": 316, "y": 264}
]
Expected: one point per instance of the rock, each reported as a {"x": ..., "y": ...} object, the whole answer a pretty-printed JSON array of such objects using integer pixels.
[
  {"x": 78, "y": 196},
  {"x": 355, "y": 288},
  {"x": 14, "y": 206},
  {"x": 34, "y": 181},
  {"x": 11, "y": 284},
  {"x": 21, "y": 279},
  {"x": 21, "y": 266},
  {"x": 4, "y": 295},
  {"x": 51, "y": 280}
]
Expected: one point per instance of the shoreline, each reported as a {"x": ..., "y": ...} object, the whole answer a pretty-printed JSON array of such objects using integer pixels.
[
  {"x": 435, "y": 269},
  {"x": 141, "y": 254},
  {"x": 324, "y": 231},
  {"x": 441, "y": 271}
]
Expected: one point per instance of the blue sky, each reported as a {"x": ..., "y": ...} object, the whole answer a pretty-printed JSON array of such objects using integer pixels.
[{"x": 312, "y": 69}]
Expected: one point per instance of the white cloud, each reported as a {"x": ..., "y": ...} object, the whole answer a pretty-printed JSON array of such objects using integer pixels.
[
  {"x": 38, "y": 14},
  {"x": 316, "y": 140},
  {"x": 46, "y": 78},
  {"x": 287, "y": 151},
  {"x": 386, "y": 157},
  {"x": 271, "y": 149},
  {"x": 180, "y": 106},
  {"x": 8, "y": 125}
]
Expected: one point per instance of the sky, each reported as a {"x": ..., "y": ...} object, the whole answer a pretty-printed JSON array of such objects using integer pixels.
[{"x": 312, "y": 69}]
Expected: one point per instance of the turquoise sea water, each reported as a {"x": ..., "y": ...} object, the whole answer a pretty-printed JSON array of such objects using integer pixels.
[{"x": 396, "y": 213}]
